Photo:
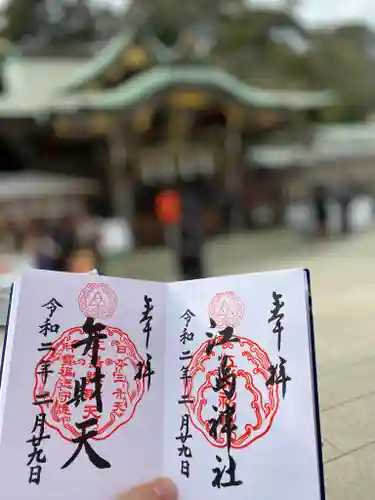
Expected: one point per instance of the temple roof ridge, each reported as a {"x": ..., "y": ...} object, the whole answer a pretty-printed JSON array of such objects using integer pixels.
[{"x": 146, "y": 84}]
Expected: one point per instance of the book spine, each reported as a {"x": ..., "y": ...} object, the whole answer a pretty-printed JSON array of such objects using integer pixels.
[
  {"x": 319, "y": 441},
  {"x": 6, "y": 332}
]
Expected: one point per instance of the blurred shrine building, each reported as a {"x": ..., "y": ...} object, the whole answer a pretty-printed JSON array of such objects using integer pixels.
[{"x": 138, "y": 118}]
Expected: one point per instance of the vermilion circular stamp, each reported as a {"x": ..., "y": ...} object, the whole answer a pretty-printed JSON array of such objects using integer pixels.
[
  {"x": 68, "y": 378},
  {"x": 97, "y": 300},
  {"x": 226, "y": 309},
  {"x": 250, "y": 364},
  {"x": 227, "y": 371}
]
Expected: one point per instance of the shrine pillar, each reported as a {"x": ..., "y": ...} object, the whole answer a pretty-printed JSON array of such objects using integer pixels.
[
  {"x": 120, "y": 179},
  {"x": 234, "y": 174}
]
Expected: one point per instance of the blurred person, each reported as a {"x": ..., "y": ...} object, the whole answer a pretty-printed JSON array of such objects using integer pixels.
[
  {"x": 39, "y": 244},
  {"x": 16, "y": 234},
  {"x": 226, "y": 206},
  {"x": 320, "y": 202},
  {"x": 88, "y": 253},
  {"x": 11, "y": 236},
  {"x": 45, "y": 256},
  {"x": 64, "y": 236},
  {"x": 344, "y": 198},
  {"x": 191, "y": 241},
  {"x": 168, "y": 212},
  {"x": 5, "y": 238},
  {"x": 81, "y": 261}
]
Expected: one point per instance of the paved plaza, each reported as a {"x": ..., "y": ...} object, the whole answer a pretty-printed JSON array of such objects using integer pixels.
[{"x": 343, "y": 286}]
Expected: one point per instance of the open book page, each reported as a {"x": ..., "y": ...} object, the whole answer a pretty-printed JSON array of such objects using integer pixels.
[
  {"x": 239, "y": 403},
  {"x": 83, "y": 406}
]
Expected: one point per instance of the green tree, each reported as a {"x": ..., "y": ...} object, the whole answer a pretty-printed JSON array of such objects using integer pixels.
[
  {"x": 55, "y": 22},
  {"x": 172, "y": 20},
  {"x": 343, "y": 59},
  {"x": 21, "y": 18}
]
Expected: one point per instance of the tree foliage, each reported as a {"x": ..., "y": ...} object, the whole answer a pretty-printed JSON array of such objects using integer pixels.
[
  {"x": 54, "y": 22},
  {"x": 242, "y": 40},
  {"x": 21, "y": 19},
  {"x": 341, "y": 59}
]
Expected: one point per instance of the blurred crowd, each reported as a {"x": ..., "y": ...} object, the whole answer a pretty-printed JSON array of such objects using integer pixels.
[
  {"x": 343, "y": 195},
  {"x": 82, "y": 242},
  {"x": 67, "y": 244}
]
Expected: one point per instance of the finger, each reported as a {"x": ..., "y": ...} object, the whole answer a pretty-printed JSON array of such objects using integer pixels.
[
  {"x": 160, "y": 489},
  {"x": 165, "y": 489}
]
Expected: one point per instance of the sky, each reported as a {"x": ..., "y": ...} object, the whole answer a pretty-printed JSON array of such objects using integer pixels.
[
  {"x": 316, "y": 12},
  {"x": 312, "y": 12}
]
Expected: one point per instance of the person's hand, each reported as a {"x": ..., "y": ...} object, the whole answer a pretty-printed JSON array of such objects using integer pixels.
[{"x": 159, "y": 489}]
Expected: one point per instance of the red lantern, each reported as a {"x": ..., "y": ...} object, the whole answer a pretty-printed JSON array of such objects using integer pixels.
[{"x": 168, "y": 207}]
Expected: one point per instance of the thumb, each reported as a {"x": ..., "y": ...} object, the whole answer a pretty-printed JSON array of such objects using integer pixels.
[{"x": 159, "y": 489}]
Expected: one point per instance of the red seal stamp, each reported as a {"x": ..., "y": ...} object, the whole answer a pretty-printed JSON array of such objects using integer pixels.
[
  {"x": 67, "y": 377},
  {"x": 257, "y": 401},
  {"x": 226, "y": 309},
  {"x": 97, "y": 300}
]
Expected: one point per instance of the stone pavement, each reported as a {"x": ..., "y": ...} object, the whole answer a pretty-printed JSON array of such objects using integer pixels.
[{"x": 343, "y": 287}]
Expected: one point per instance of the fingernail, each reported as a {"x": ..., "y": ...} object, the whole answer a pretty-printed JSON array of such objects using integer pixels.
[{"x": 165, "y": 489}]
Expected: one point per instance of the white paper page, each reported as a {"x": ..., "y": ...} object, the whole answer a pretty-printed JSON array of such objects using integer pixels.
[
  {"x": 129, "y": 424},
  {"x": 273, "y": 449}
]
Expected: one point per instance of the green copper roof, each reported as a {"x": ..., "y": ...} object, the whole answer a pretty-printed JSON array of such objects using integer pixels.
[
  {"x": 31, "y": 82},
  {"x": 100, "y": 63},
  {"x": 147, "y": 84}
]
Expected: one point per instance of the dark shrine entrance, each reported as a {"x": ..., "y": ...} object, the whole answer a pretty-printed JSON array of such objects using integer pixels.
[
  {"x": 149, "y": 231},
  {"x": 10, "y": 160}
]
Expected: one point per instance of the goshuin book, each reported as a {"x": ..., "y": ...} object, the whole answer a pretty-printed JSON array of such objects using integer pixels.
[{"x": 107, "y": 383}]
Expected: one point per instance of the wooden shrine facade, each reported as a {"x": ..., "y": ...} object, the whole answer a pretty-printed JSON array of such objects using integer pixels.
[{"x": 137, "y": 120}]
